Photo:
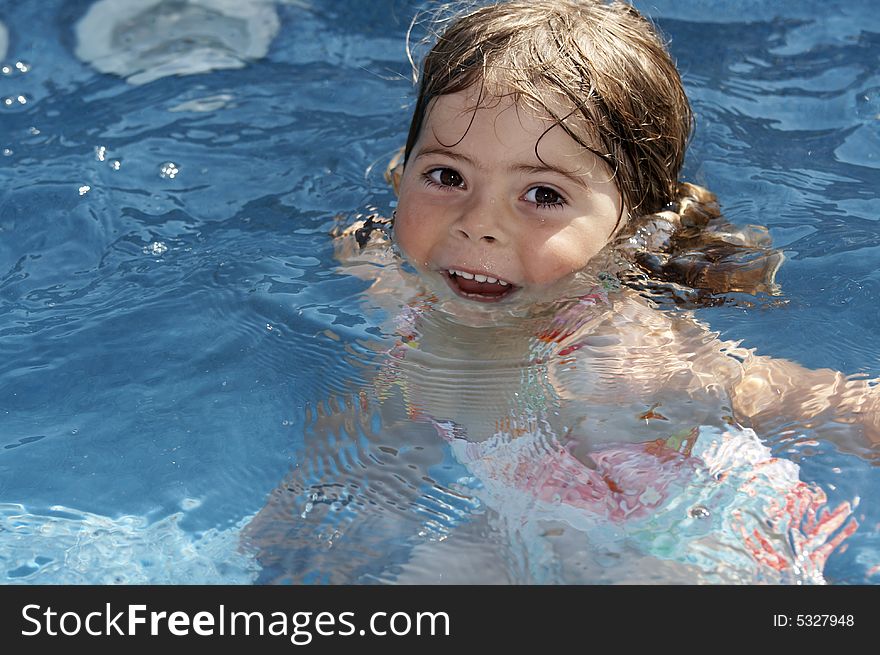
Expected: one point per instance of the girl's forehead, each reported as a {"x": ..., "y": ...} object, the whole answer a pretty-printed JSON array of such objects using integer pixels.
[
  {"x": 469, "y": 119},
  {"x": 473, "y": 106}
]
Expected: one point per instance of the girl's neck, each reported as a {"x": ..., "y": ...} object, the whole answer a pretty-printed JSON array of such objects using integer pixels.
[{"x": 487, "y": 373}]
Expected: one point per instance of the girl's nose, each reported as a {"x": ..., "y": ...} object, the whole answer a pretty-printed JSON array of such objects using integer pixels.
[
  {"x": 476, "y": 236},
  {"x": 480, "y": 222}
]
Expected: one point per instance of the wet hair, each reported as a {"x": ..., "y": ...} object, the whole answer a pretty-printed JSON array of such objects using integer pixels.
[
  {"x": 690, "y": 255},
  {"x": 601, "y": 72}
]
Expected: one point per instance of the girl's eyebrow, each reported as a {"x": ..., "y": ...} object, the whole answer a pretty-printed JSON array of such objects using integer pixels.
[
  {"x": 527, "y": 169},
  {"x": 439, "y": 150}
]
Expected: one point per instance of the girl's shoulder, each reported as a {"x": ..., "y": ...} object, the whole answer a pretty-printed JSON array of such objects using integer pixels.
[
  {"x": 640, "y": 350},
  {"x": 636, "y": 321}
]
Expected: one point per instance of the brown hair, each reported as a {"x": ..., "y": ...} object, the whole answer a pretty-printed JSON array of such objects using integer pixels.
[
  {"x": 605, "y": 62},
  {"x": 623, "y": 100},
  {"x": 689, "y": 254}
]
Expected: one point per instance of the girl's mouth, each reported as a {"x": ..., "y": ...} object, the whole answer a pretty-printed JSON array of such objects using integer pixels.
[{"x": 479, "y": 287}]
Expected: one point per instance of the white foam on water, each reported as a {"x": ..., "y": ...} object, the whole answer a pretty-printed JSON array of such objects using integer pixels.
[
  {"x": 67, "y": 546},
  {"x": 144, "y": 40}
]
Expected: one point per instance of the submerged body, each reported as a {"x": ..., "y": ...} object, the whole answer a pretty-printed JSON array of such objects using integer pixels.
[{"x": 597, "y": 444}]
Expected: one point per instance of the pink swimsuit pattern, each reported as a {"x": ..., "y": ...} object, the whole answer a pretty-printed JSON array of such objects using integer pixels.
[{"x": 759, "y": 505}]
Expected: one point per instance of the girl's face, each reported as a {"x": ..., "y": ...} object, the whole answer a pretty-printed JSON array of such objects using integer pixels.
[{"x": 479, "y": 211}]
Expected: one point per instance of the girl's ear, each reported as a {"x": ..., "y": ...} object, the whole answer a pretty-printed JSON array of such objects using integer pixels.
[
  {"x": 395, "y": 171},
  {"x": 396, "y": 174}
]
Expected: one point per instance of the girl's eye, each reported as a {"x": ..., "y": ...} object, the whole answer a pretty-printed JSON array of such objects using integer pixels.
[
  {"x": 544, "y": 196},
  {"x": 447, "y": 177}
]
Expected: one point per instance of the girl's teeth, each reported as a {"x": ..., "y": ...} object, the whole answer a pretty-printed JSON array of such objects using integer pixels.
[{"x": 478, "y": 277}]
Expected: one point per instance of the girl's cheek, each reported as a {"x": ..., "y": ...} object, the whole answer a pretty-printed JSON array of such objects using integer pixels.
[
  {"x": 401, "y": 229},
  {"x": 562, "y": 256},
  {"x": 407, "y": 232}
]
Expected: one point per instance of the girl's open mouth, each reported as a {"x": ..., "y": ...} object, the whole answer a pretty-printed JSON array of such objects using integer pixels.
[{"x": 476, "y": 286}]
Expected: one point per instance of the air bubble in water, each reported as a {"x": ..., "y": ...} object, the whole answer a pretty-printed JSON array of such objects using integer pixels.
[
  {"x": 699, "y": 512},
  {"x": 169, "y": 169},
  {"x": 11, "y": 101},
  {"x": 22, "y": 66},
  {"x": 84, "y": 189},
  {"x": 7, "y": 152},
  {"x": 155, "y": 248},
  {"x": 115, "y": 164},
  {"x": 868, "y": 103},
  {"x": 100, "y": 153}
]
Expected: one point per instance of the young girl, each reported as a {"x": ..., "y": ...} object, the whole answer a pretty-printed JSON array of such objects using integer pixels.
[{"x": 541, "y": 221}]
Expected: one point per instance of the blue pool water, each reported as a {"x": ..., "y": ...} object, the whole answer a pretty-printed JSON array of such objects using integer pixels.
[{"x": 169, "y": 333}]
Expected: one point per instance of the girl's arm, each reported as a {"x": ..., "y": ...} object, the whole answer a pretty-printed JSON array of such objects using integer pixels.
[
  {"x": 363, "y": 250},
  {"x": 772, "y": 392},
  {"x": 363, "y": 242}
]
